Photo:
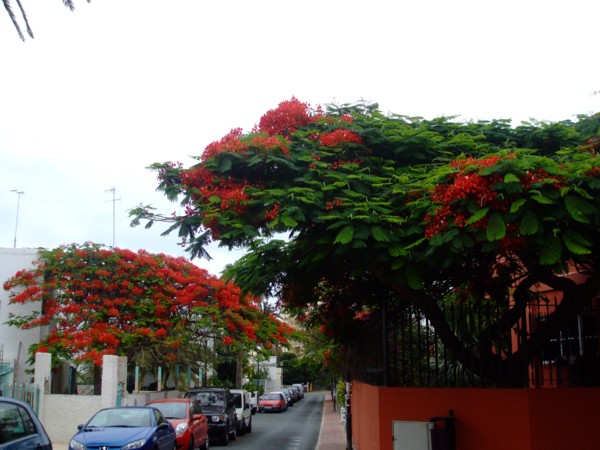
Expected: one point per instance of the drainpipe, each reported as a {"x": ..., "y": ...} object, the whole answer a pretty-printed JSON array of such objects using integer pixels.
[
  {"x": 384, "y": 342},
  {"x": 348, "y": 416}
]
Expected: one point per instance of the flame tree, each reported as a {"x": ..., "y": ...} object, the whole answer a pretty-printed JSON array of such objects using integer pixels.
[
  {"x": 153, "y": 308},
  {"x": 384, "y": 210}
]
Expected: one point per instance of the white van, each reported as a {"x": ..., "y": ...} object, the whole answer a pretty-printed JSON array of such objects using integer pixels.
[
  {"x": 253, "y": 401},
  {"x": 241, "y": 399}
]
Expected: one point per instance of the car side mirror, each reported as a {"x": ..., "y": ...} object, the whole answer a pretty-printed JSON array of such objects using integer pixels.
[
  {"x": 197, "y": 416},
  {"x": 230, "y": 403},
  {"x": 246, "y": 406},
  {"x": 163, "y": 425},
  {"x": 80, "y": 426}
]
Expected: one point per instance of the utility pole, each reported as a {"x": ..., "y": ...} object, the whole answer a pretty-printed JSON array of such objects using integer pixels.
[
  {"x": 19, "y": 193},
  {"x": 114, "y": 201}
]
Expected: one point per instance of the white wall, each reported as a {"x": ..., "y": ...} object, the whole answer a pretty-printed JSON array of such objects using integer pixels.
[
  {"x": 14, "y": 341},
  {"x": 74, "y": 410},
  {"x": 275, "y": 378},
  {"x": 61, "y": 414}
]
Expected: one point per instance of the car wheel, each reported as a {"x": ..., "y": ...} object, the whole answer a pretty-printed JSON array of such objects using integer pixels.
[
  {"x": 225, "y": 437},
  {"x": 249, "y": 427},
  {"x": 242, "y": 430},
  {"x": 206, "y": 444},
  {"x": 233, "y": 432}
]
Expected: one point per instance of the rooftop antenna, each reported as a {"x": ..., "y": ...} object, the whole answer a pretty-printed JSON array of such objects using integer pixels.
[
  {"x": 114, "y": 201},
  {"x": 19, "y": 193}
]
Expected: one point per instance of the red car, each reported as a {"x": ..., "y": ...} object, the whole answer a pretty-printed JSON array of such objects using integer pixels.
[
  {"x": 273, "y": 401},
  {"x": 188, "y": 420}
]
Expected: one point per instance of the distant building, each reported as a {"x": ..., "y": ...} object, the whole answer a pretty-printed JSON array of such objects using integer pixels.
[{"x": 274, "y": 374}]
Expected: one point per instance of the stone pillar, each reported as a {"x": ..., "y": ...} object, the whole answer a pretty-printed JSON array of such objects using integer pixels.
[
  {"x": 110, "y": 380},
  {"x": 42, "y": 379}
]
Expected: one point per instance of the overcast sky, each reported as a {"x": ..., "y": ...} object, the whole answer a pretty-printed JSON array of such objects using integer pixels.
[{"x": 103, "y": 92}]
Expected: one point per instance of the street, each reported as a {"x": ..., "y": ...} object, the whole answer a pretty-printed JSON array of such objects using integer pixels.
[{"x": 296, "y": 429}]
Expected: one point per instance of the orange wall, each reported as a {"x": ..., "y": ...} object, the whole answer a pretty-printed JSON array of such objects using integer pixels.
[
  {"x": 490, "y": 419},
  {"x": 564, "y": 418},
  {"x": 365, "y": 416}
]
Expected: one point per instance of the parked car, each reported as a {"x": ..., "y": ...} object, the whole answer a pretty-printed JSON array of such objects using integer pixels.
[
  {"x": 287, "y": 395},
  {"x": 20, "y": 428},
  {"x": 272, "y": 401},
  {"x": 293, "y": 393},
  {"x": 253, "y": 401},
  {"x": 128, "y": 427},
  {"x": 243, "y": 413},
  {"x": 300, "y": 389},
  {"x": 219, "y": 408},
  {"x": 185, "y": 414}
]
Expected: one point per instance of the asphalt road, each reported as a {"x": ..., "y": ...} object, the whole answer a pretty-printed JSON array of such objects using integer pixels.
[{"x": 296, "y": 429}]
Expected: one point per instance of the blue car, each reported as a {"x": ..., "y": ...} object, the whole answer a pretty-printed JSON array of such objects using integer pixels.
[
  {"x": 126, "y": 428},
  {"x": 20, "y": 428}
]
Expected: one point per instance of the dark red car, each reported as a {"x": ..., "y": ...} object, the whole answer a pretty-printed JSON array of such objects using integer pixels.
[{"x": 188, "y": 420}]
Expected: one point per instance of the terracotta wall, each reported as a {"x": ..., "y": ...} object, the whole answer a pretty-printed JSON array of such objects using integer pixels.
[
  {"x": 486, "y": 419},
  {"x": 564, "y": 418}
]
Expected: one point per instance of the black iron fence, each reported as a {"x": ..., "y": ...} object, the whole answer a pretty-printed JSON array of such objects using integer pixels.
[{"x": 489, "y": 348}]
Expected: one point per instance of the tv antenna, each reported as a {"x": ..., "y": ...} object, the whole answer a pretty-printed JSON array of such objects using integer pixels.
[
  {"x": 19, "y": 193},
  {"x": 114, "y": 201}
]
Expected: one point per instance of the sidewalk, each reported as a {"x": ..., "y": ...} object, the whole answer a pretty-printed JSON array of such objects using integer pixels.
[{"x": 333, "y": 433}]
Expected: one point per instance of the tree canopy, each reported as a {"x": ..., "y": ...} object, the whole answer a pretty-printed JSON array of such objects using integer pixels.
[
  {"x": 345, "y": 209},
  {"x": 151, "y": 308}
]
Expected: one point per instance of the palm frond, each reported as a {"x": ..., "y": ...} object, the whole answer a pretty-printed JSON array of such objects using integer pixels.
[
  {"x": 13, "y": 18},
  {"x": 29, "y": 31},
  {"x": 69, "y": 4}
]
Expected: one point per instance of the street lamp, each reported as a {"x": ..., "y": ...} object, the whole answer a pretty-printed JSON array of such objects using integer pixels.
[{"x": 19, "y": 193}]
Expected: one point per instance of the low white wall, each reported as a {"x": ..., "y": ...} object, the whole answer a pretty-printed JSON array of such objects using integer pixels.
[
  {"x": 64, "y": 412},
  {"x": 143, "y": 397},
  {"x": 61, "y": 414}
]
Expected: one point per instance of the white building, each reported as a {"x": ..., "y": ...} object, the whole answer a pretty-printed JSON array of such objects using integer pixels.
[
  {"x": 14, "y": 343},
  {"x": 274, "y": 374}
]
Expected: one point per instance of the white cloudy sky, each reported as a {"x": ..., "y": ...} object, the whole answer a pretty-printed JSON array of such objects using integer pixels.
[{"x": 103, "y": 92}]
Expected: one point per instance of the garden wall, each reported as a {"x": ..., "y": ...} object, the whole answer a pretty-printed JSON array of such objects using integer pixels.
[{"x": 490, "y": 419}]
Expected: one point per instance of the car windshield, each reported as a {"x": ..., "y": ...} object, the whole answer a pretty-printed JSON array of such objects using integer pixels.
[
  {"x": 270, "y": 397},
  {"x": 171, "y": 410},
  {"x": 211, "y": 398},
  {"x": 122, "y": 417}
]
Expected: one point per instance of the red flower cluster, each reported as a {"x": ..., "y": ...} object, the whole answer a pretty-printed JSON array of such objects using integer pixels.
[
  {"x": 268, "y": 144},
  {"x": 273, "y": 212},
  {"x": 462, "y": 186},
  {"x": 591, "y": 145},
  {"x": 469, "y": 184},
  {"x": 228, "y": 143},
  {"x": 541, "y": 176},
  {"x": 336, "y": 203},
  {"x": 286, "y": 118},
  {"x": 338, "y": 137},
  {"x": 236, "y": 142},
  {"x": 336, "y": 164},
  {"x": 204, "y": 184}
]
